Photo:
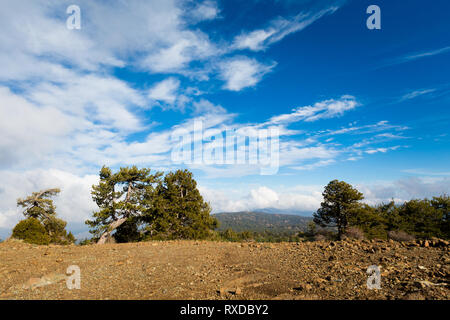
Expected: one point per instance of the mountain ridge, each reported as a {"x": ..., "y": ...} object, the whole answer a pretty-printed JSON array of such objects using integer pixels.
[{"x": 259, "y": 221}]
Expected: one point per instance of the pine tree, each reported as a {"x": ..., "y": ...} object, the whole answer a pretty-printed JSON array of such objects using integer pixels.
[
  {"x": 38, "y": 206},
  {"x": 122, "y": 196},
  {"x": 340, "y": 201},
  {"x": 371, "y": 220},
  {"x": 442, "y": 204},
  {"x": 179, "y": 211}
]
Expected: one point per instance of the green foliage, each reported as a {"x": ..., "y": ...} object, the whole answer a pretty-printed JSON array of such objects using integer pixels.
[
  {"x": 371, "y": 220},
  {"x": 56, "y": 229},
  {"x": 417, "y": 218},
  {"x": 310, "y": 232},
  {"x": 85, "y": 242},
  {"x": 128, "y": 231},
  {"x": 420, "y": 218},
  {"x": 179, "y": 211},
  {"x": 38, "y": 207},
  {"x": 340, "y": 202},
  {"x": 267, "y": 236},
  {"x": 143, "y": 206},
  {"x": 127, "y": 194},
  {"x": 442, "y": 204},
  {"x": 31, "y": 231}
]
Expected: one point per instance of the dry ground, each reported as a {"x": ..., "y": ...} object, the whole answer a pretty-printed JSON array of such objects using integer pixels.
[{"x": 224, "y": 270}]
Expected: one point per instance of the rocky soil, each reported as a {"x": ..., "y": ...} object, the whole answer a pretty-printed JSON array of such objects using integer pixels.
[{"x": 224, "y": 270}]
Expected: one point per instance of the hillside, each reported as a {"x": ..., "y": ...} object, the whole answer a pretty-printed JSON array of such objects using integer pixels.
[
  {"x": 226, "y": 270},
  {"x": 260, "y": 222}
]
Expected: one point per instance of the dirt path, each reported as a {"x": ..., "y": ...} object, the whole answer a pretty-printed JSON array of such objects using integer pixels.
[{"x": 221, "y": 270}]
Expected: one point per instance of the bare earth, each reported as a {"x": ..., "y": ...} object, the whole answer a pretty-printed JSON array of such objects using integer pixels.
[{"x": 223, "y": 270}]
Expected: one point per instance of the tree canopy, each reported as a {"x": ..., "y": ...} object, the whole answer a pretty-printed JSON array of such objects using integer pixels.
[
  {"x": 39, "y": 209},
  {"x": 141, "y": 205},
  {"x": 340, "y": 201},
  {"x": 121, "y": 197},
  {"x": 421, "y": 218},
  {"x": 180, "y": 211}
]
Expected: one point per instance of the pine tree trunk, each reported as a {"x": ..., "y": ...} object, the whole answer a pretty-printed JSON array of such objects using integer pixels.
[{"x": 114, "y": 225}]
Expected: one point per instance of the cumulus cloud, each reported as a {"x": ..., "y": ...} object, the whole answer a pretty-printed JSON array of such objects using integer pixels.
[
  {"x": 263, "y": 197},
  {"x": 165, "y": 91},
  {"x": 74, "y": 204},
  {"x": 405, "y": 189},
  {"x": 206, "y": 10},
  {"x": 242, "y": 72}
]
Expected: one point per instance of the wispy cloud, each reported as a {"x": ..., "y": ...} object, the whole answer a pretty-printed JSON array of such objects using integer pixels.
[
  {"x": 416, "y": 93},
  {"x": 425, "y": 172},
  {"x": 420, "y": 55},
  {"x": 314, "y": 165},
  {"x": 381, "y": 150},
  {"x": 278, "y": 29},
  {"x": 320, "y": 110},
  {"x": 416, "y": 56}
]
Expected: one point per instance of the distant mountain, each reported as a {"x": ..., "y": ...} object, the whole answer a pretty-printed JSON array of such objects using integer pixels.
[
  {"x": 262, "y": 221},
  {"x": 285, "y": 211}
]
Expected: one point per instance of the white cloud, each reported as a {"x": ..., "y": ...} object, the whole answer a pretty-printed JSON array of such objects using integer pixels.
[
  {"x": 314, "y": 165},
  {"x": 66, "y": 114},
  {"x": 404, "y": 189},
  {"x": 165, "y": 91},
  {"x": 242, "y": 72},
  {"x": 73, "y": 204},
  {"x": 253, "y": 40},
  {"x": 381, "y": 150},
  {"x": 28, "y": 133},
  {"x": 416, "y": 56},
  {"x": 278, "y": 29},
  {"x": 425, "y": 172},
  {"x": 206, "y": 10},
  {"x": 416, "y": 93},
  {"x": 263, "y": 197},
  {"x": 205, "y": 106},
  {"x": 307, "y": 198},
  {"x": 320, "y": 110}
]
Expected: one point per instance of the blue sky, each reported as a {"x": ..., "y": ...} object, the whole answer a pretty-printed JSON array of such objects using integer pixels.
[{"x": 370, "y": 107}]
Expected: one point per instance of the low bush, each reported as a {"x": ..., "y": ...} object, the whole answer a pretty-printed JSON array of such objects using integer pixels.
[
  {"x": 400, "y": 236},
  {"x": 31, "y": 231},
  {"x": 354, "y": 233}
]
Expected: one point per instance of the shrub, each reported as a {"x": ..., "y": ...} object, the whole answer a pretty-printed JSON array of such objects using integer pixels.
[
  {"x": 400, "y": 236},
  {"x": 86, "y": 242},
  {"x": 55, "y": 229},
  {"x": 354, "y": 233},
  {"x": 31, "y": 231}
]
